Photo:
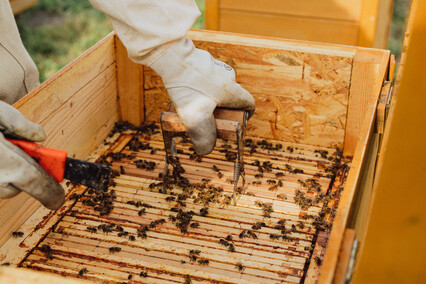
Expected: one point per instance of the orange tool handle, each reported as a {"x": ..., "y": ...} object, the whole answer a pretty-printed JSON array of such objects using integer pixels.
[{"x": 52, "y": 160}]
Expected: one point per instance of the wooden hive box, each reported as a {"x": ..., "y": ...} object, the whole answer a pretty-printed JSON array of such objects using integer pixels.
[
  {"x": 353, "y": 22},
  {"x": 310, "y": 99}
]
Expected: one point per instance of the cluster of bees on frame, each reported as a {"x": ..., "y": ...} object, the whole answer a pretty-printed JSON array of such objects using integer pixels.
[{"x": 206, "y": 193}]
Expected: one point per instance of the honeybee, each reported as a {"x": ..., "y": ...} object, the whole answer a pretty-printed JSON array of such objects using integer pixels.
[
  {"x": 239, "y": 266},
  {"x": 83, "y": 271},
  {"x": 17, "y": 234}
]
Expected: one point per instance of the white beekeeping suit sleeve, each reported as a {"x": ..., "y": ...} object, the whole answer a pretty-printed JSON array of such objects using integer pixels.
[
  {"x": 148, "y": 27},
  {"x": 18, "y": 76},
  {"x": 18, "y": 73}
]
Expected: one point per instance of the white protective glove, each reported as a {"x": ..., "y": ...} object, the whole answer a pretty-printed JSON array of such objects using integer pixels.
[
  {"x": 197, "y": 83},
  {"x": 18, "y": 171}
]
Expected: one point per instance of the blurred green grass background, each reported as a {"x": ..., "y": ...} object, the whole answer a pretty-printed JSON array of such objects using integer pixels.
[{"x": 57, "y": 31}]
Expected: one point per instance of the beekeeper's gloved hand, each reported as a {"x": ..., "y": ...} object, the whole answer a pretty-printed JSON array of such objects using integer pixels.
[
  {"x": 18, "y": 171},
  {"x": 153, "y": 33},
  {"x": 197, "y": 83}
]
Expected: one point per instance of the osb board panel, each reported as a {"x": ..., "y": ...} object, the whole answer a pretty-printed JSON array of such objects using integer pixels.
[
  {"x": 156, "y": 98},
  {"x": 302, "y": 28},
  {"x": 130, "y": 86},
  {"x": 345, "y": 10},
  {"x": 160, "y": 255},
  {"x": 301, "y": 96}
]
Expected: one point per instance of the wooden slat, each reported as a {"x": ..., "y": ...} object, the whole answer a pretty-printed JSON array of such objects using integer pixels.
[
  {"x": 344, "y": 257},
  {"x": 368, "y": 22},
  {"x": 392, "y": 63},
  {"x": 129, "y": 86},
  {"x": 167, "y": 237},
  {"x": 70, "y": 266},
  {"x": 364, "y": 195},
  {"x": 212, "y": 14},
  {"x": 340, "y": 32},
  {"x": 27, "y": 276},
  {"x": 167, "y": 266},
  {"x": 344, "y": 10},
  {"x": 314, "y": 268},
  {"x": 166, "y": 248},
  {"x": 381, "y": 107},
  {"x": 273, "y": 43},
  {"x": 369, "y": 69},
  {"x": 384, "y": 19}
]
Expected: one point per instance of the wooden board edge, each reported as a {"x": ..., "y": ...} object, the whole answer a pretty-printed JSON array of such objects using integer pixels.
[
  {"x": 384, "y": 19},
  {"x": 64, "y": 70},
  {"x": 28, "y": 276},
  {"x": 344, "y": 208},
  {"x": 362, "y": 199},
  {"x": 345, "y": 11},
  {"x": 272, "y": 42},
  {"x": 370, "y": 69},
  {"x": 392, "y": 64},
  {"x": 314, "y": 268},
  {"x": 28, "y": 205},
  {"x": 300, "y": 28},
  {"x": 368, "y": 22},
  {"x": 344, "y": 257},
  {"x": 381, "y": 107},
  {"x": 212, "y": 15}
]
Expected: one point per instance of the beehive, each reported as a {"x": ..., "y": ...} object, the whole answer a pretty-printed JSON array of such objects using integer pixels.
[{"x": 312, "y": 102}]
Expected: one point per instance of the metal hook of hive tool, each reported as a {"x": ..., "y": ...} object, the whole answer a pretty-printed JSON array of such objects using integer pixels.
[
  {"x": 239, "y": 163},
  {"x": 171, "y": 152}
]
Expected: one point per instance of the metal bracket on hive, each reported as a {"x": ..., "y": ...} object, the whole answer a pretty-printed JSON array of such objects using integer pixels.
[{"x": 230, "y": 124}]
